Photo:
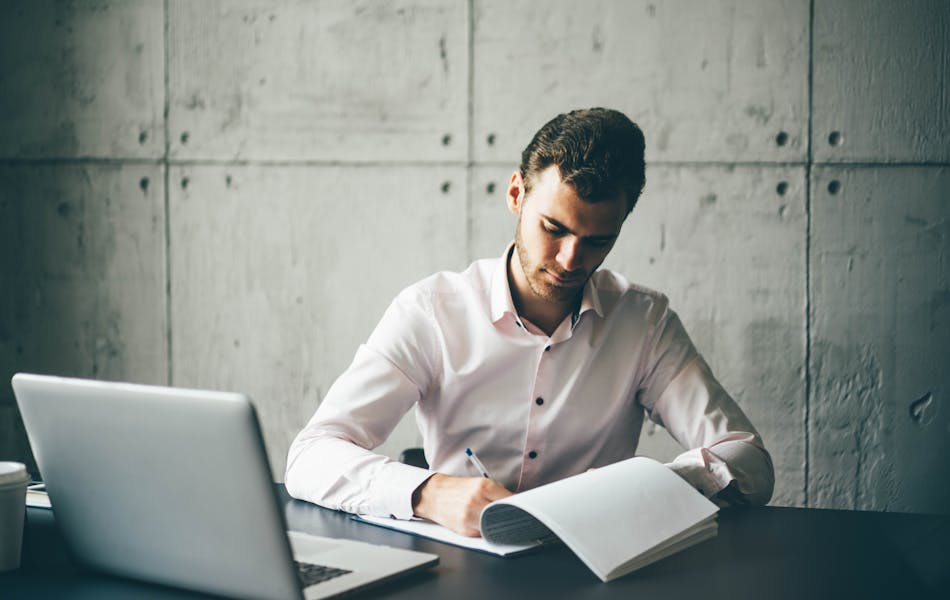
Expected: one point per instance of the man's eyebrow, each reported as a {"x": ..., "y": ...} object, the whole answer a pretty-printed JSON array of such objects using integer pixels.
[{"x": 564, "y": 228}]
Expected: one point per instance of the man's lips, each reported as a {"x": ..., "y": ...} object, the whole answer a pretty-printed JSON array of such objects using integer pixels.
[{"x": 562, "y": 280}]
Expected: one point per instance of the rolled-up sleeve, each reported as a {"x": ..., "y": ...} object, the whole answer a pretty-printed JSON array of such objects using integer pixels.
[
  {"x": 331, "y": 462},
  {"x": 683, "y": 396}
]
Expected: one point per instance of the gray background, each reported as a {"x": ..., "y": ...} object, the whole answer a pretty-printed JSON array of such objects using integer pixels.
[{"x": 227, "y": 195}]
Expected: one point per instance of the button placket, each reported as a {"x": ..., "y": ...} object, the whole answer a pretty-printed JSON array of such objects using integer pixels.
[
  {"x": 543, "y": 360},
  {"x": 535, "y": 432}
]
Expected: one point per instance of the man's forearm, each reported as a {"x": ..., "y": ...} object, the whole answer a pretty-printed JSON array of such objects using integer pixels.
[{"x": 338, "y": 474}]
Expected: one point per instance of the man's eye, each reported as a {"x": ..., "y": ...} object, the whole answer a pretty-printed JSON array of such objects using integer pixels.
[
  {"x": 598, "y": 243},
  {"x": 554, "y": 230}
]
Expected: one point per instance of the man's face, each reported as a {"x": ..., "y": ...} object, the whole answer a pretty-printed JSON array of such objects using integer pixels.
[{"x": 560, "y": 238}]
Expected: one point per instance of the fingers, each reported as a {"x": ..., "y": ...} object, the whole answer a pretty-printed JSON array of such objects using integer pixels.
[
  {"x": 494, "y": 491},
  {"x": 471, "y": 517},
  {"x": 484, "y": 492},
  {"x": 457, "y": 502}
]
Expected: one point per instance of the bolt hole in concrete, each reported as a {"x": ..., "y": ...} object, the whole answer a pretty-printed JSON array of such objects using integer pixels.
[
  {"x": 490, "y": 188},
  {"x": 490, "y": 139},
  {"x": 446, "y": 186},
  {"x": 834, "y": 187},
  {"x": 143, "y": 183},
  {"x": 446, "y": 139},
  {"x": 835, "y": 138},
  {"x": 143, "y": 137},
  {"x": 184, "y": 138},
  {"x": 781, "y": 188},
  {"x": 782, "y": 138},
  {"x": 184, "y": 183},
  {"x": 922, "y": 409}
]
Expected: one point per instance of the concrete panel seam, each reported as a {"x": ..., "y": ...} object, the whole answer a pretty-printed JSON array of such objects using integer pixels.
[
  {"x": 808, "y": 156},
  {"x": 470, "y": 146},
  {"x": 759, "y": 164},
  {"x": 167, "y": 246},
  {"x": 876, "y": 165},
  {"x": 178, "y": 162},
  {"x": 316, "y": 163},
  {"x": 470, "y": 15},
  {"x": 675, "y": 163},
  {"x": 81, "y": 160}
]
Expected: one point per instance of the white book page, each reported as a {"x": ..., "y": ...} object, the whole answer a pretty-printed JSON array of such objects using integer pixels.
[
  {"x": 610, "y": 515},
  {"x": 702, "y": 533},
  {"x": 431, "y": 530}
]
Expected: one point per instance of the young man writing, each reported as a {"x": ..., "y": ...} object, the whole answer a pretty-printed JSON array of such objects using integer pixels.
[{"x": 539, "y": 361}]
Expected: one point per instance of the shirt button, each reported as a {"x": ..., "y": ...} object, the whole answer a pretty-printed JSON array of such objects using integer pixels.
[
  {"x": 539, "y": 401},
  {"x": 532, "y": 454}
]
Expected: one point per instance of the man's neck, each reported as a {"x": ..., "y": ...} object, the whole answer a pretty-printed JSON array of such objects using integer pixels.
[{"x": 544, "y": 314}]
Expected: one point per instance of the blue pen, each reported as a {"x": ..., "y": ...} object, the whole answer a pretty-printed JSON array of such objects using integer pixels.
[{"x": 478, "y": 464}]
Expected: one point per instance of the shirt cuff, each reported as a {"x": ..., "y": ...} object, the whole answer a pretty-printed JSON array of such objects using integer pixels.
[
  {"x": 394, "y": 487},
  {"x": 703, "y": 470}
]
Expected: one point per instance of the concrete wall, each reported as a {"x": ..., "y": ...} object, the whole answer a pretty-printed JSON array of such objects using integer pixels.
[{"x": 228, "y": 194}]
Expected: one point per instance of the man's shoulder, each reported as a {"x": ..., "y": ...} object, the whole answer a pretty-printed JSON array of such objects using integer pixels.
[
  {"x": 617, "y": 293},
  {"x": 474, "y": 279},
  {"x": 611, "y": 282}
]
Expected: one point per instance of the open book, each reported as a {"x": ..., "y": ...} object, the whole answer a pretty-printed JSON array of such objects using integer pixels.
[{"x": 617, "y": 519}]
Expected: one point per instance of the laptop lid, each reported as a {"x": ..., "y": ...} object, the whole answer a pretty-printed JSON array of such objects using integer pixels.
[
  {"x": 173, "y": 486},
  {"x": 163, "y": 484}
]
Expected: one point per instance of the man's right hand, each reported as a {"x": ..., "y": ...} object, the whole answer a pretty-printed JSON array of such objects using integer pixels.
[{"x": 456, "y": 502}]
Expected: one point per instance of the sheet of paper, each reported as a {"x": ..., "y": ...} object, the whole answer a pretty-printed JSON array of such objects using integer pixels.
[
  {"x": 38, "y": 499},
  {"x": 428, "y": 529}
]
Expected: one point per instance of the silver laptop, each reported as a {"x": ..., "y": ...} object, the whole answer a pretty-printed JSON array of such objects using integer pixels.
[{"x": 173, "y": 486}]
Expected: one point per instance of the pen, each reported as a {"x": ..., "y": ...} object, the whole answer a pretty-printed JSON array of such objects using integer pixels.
[{"x": 478, "y": 464}]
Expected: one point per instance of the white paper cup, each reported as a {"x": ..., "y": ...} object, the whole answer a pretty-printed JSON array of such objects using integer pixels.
[{"x": 13, "y": 482}]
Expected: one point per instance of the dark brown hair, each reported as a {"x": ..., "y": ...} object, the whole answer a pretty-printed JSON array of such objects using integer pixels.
[{"x": 598, "y": 151}]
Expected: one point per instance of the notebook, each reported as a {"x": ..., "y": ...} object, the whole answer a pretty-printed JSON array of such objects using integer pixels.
[
  {"x": 616, "y": 519},
  {"x": 173, "y": 486}
]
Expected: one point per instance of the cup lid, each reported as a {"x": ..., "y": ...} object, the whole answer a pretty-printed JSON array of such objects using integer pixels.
[{"x": 13, "y": 472}]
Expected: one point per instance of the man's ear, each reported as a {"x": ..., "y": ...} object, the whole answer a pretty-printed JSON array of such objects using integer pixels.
[{"x": 514, "y": 196}]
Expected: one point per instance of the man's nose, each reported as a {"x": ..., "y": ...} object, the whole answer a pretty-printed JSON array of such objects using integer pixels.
[{"x": 570, "y": 257}]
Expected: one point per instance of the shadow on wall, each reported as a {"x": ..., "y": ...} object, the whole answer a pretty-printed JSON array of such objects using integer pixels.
[{"x": 84, "y": 279}]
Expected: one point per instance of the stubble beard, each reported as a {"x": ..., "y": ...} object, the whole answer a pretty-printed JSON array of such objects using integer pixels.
[{"x": 534, "y": 274}]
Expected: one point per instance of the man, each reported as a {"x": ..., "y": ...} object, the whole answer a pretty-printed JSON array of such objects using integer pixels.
[{"x": 539, "y": 362}]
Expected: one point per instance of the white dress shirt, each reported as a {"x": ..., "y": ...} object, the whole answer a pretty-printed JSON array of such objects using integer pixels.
[{"x": 534, "y": 408}]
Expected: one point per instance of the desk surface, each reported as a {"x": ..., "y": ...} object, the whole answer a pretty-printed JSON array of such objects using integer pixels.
[{"x": 759, "y": 553}]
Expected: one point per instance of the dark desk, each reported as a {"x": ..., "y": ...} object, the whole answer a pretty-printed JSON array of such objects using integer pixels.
[{"x": 759, "y": 553}]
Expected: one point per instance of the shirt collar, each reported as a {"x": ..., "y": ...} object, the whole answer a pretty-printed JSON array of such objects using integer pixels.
[
  {"x": 589, "y": 301},
  {"x": 502, "y": 302}
]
